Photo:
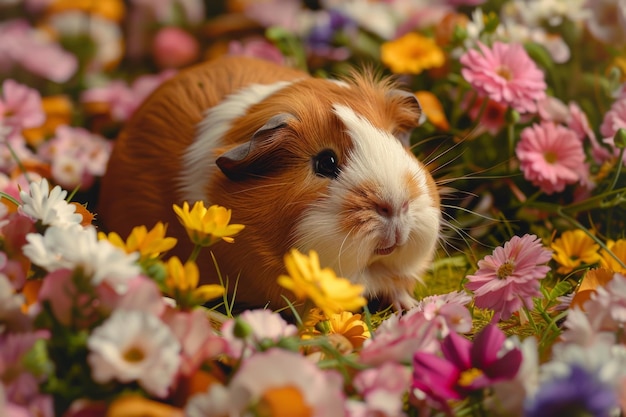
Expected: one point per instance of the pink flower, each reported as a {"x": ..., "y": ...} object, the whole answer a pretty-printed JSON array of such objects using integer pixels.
[
  {"x": 492, "y": 117},
  {"x": 256, "y": 48},
  {"x": 123, "y": 99},
  {"x": 614, "y": 120},
  {"x": 398, "y": 338},
  {"x": 383, "y": 388},
  {"x": 551, "y": 156},
  {"x": 505, "y": 74},
  {"x": 20, "y": 106},
  {"x": 509, "y": 277},
  {"x": 465, "y": 366},
  {"x": 450, "y": 310},
  {"x": 173, "y": 47}
]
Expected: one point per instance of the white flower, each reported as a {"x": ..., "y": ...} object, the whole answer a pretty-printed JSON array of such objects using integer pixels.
[
  {"x": 49, "y": 206},
  {"x": 133, "y": 345},
  {"x": 216, "y": 402},
  {"x": 77, "y": 247}
]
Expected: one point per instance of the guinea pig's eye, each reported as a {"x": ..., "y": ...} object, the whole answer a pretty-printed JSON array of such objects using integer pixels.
[{"x": 326, "y": 164}]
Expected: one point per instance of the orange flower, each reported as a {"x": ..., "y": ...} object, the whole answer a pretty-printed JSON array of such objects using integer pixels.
[
  {"x": 109, "y": 9},
  {"x": 593, "y": 279},
  {"x": 138, "y": 406},
  {"x": 58, "y": 110},
  {"x": 412, "y": 54},
  {"x": 433, "y": 109}
]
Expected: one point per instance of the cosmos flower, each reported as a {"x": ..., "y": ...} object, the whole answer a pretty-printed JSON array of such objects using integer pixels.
[
  {"x": 383, "y": 388},
  {"x": 508, "y": 279},
  {"x": 149, "y": 243},
  {"x": 207, "y": 226},
  {"x": 48, "y": 206},
  {"x": 306, "y": 279},
  {"x": 573, "y": 249},
  {"x": 551, "y": 156},
  {"x": 134, "y": 346},
  {"x": 411, "y": 54},
  {"x": 505, "y": 74},
  {"x": 465, "y": 366}
]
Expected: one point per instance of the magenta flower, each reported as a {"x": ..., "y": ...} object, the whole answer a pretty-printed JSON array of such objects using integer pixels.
[
  {"x": 505, "y": 74},
  {"x": 465, "y": 367},
  {"x": 551, "y": 156},
  {"x": 509, "y": 277}
]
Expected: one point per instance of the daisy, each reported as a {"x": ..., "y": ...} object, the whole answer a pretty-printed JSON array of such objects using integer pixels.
[
  {"x": 79, "y": 249},
  {"x": 134, "y": 346},
  {"x": 49, "y": 206},
  {"x": 411, "y": 54},
  {"x": 505, "y": 74},
  {"x": 508, "y": 279},
  {"x": 264, "y": 326},
  {"x": 551, "y": 156},
  {"x": 573, "y": 249},
  {"x": 306, "y": 279}
]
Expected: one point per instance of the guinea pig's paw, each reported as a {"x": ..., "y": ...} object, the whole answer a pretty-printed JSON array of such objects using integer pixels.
[{"x": 402, "y": 300}]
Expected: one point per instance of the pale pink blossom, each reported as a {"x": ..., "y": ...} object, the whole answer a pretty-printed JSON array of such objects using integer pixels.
[
  {"x": 449, "y": 309},
  {"x": 198, "y": 339},
  {"x": 614, "y": 120},
  {"x": 383, "y": 388},
  {"x": 263, "y": 325},
  {"x": 20, "y": 106},
  {"x": 505, "y": 74},
  {"x": 31, "y": 49},
  {"x": 509, "y": 278},
  {"x": 551, "y": 156},
  {"x": 173, "y": 47},
  {"x": 124, "y": 99},
  {"x": 256, "y": 48},
  {"x": 399, "y": 337},
  {"x": 165, "y": 11},
  {"x": 607, "y": 20}
]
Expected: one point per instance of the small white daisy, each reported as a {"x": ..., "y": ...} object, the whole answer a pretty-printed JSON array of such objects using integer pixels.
[
  {"x": 77, "y": 247},
  {"x": 48, "y": 206},
  {"x": 133, "y": 345}
]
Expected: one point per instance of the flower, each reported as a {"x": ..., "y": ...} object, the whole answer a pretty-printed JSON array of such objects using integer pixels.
[
  {"x": 588, "y": 285},
  {"x": 207, "y": 226},
  {"x": 136, "y": 405},
  {"x": 174, "y": 47},
  {"x": 48, "y": 206},
  {"x": 350, "y": 326},
  {"x": 509, "y": 278},
  {"x": 134, "y": 346},
  {"x": 465, "y": 366},
  {"x": 506, "y": 74},
  {"x": 618, "y": 249},
  {"x": 150, "y": 244},
  {"x": 182, "y": 284},
  {"x": 433, "y": 109},
  {"x": 20, "y": 106},
  {"x": 267, "y": 381},
  {"x": 551, "y": 156},
  {"x": 79, "y": 249},
  {"x": 411, "y": 54},
  {"x": 573, "y": 249},
  {"x": 264, "y": 327},
  {"x": 383, "y": 388},
  {"x": 330, "y": 293},
  {"x": 256, "y": 48}
]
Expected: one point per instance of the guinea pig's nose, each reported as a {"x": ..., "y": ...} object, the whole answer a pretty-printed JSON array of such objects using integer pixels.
[{"x": 386, "y": 209}]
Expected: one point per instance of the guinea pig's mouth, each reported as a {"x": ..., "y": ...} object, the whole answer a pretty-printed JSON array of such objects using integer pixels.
[{"x": 385, "y": 251}]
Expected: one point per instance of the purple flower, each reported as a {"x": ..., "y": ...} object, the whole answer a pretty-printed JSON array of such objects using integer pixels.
[
  {"x": 465, "y": 366},
  {"x": 577, "y": 393}
]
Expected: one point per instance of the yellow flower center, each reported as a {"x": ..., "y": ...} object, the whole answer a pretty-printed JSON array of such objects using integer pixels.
[
  {"x": 283, "y": 402},
  {"x": 469, "y": 376},
  {"x": 505, "y": 270},
  {"x": 505, "y": 73},
  {"x": 550, "y": 157},
  {"x": 133, "y": 355}
]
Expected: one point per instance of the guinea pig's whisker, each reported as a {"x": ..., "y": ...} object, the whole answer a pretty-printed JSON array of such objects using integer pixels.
[{"x": 258, "y": 187}]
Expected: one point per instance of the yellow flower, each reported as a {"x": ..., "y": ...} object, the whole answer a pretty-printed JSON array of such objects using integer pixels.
[
  {"x": 182, "y": 284},
  {"x": 134, "y": 405},
  {"x": 573, "y": 249},
  {"x": 207, "y": 226},
  {"x": 58, "y": 110},
  {"x": 433, "y": 109},
  {"x": 411, "y": 54},
  {"x": 618, "y": 248},
  {"x": 108, "y": 9},
  {"x": 350, "y": 326},
  {"x": 330, "y": 293},
  {"x": 150, "y": 244}
]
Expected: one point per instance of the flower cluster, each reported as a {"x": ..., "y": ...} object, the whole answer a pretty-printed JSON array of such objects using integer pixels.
[{"x": 524, "y": 129}]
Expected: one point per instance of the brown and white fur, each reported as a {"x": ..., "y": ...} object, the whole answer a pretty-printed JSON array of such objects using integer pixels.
[{"x": 246, "y": 134}]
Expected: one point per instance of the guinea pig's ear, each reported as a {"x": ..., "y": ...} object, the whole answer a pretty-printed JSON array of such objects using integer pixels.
[
  {"x": 247, "y": 159},
  {"x": 413, "y": 115}
]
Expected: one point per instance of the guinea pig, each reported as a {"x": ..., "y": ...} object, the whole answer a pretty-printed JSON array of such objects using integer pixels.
[{"x": 302, "y": 162}]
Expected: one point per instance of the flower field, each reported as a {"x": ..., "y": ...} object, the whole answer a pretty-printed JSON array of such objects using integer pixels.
[{"x": 521, "y": 313}]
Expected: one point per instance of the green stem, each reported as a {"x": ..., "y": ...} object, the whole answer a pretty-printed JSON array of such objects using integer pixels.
[
  {"x": 194, "y": 253},
  {"x": 620, "y": 162}
]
